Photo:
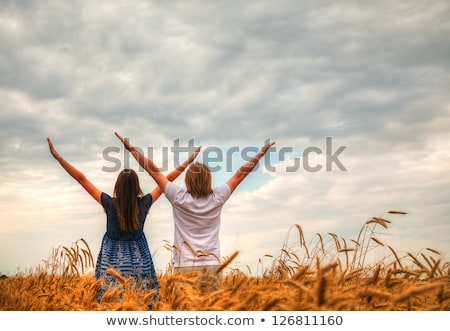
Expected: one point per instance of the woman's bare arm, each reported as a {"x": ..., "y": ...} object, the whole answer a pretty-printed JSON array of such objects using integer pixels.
[
  {"x": 156, "y": 193},
  {"x": 76, "y": 174},
  {"x": 246, "y": 168},
  {"x": 153, "y": 169}
]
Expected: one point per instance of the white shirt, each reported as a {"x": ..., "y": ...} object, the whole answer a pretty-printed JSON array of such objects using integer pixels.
[{"x": 196, "y": 225}]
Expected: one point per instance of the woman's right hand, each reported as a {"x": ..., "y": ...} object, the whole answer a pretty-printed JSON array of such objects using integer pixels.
[
  {"x": 124, "y": 141},
  {"x": 194, "y": 155},
  {"x": 52, "y": 149}
]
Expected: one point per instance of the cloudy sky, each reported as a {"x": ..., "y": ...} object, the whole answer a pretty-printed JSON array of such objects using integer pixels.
[{"x": 374, "y": 76}]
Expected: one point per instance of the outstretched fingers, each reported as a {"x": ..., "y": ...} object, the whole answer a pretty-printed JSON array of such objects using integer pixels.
[
  {"x": 265, "y": 148},
  {"x": 123, "y": 140},
  {"x": 52, "y": 148},
  {"x": 120, "y": 137},
  {"x": 195, "y": 154}
]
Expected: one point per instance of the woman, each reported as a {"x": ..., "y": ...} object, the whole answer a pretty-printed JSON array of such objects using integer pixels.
[
  {"x": 196, "y": 210},
  {"x": 124, "y": 246}
]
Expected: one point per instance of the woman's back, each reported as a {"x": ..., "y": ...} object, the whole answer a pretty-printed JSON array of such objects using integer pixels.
[
  {"x": 112, "y": 223},
  {"x": 196, "y": 225}
]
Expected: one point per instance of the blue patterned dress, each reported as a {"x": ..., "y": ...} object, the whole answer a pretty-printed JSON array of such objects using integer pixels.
[{"x": 126, "y": 251}]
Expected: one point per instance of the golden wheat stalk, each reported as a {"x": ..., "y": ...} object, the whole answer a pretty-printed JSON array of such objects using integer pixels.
[
  {"x": 397, "y": 212},
  {"x": 117, "y": 275},
  {"x": 321, "y": 243},
  {"x": 89, "y": 253},
  {"x": 379, "y": 221},
  {"x": 336, "y": 241},
  {"x": 227, "y": 262},
  {"x": 302, "y": 239},
  {"x": 435, "y": 268},
  {"x": 433, "y": 251},
  {"x": 416, "y": 291},
  {"x": 417, "y": 262},
  {"x": 346, "y": 250},
  {"x": 377, "y": 241},
  {"x": 320, "y": 290},
  {"x": 396, "y": 257}
]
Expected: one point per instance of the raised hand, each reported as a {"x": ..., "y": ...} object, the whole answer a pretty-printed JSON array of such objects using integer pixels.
[
  {"x": 53, "y": 150},
  {"x": 265, "y": 148},
  {"x": 124, "y": 141},
  {"x": 194, "y": 155},
  {"x": 76, "y": 174}
]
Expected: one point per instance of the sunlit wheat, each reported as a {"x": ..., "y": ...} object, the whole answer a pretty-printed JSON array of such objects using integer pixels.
[{"x": 326, "y": 273}]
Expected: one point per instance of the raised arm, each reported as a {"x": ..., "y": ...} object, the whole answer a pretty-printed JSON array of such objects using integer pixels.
[
  {"x": 153, "y": 170},
  {"x": 76, "y": 174},
  {"x": 247, "y": 168},
  {"x": 156, "y": 193}
]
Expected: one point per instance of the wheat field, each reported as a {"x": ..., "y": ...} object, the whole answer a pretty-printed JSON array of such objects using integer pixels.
[{"x": 328, "y": 273}]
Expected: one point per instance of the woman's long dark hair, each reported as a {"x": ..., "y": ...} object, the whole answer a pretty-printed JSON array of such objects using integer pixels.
[{"x": 126, "y": 192}]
